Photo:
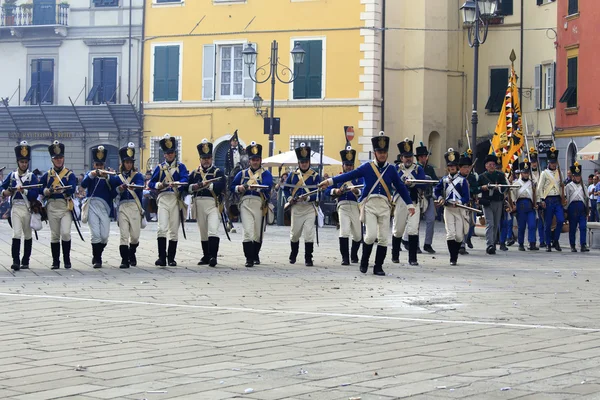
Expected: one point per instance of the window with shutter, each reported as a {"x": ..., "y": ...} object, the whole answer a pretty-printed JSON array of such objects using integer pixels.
[
  {"x": 104, "y": 81},
  {"x": 537, "y": 78},
  {"x": 166, "y": 73},
  {"x": 231, "y": 71},
  {"x": 505, "y": 7},
  {"x": 498, "y": 85},
  {"x": 573, "y": 7},
  {"x": 309, "y": 79},
  {"x": 41, "y": 90},
  {"x": 549, "y": 89},
  {"x": 208, "y": 72}
]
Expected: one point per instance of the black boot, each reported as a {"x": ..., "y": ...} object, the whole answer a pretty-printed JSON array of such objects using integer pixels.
[
  {"x": 257, "y": 246},
  {"x": 249, "y": 253},
  {"x": 584, "y": 248},
  {"x": 171, "y": 252},
  {"x": 503, "y": 246},
  {"x": 124, "y": 250},
  {"x": 15, "y": 249},
  {"x": 55, "y": 249},
  {"x": 396, "y": 244},
  {"x": 66, "y": 248},
  {"x": 450, "y": 244},
  {"x": 405, "y": 244},
  {"x": 456, "y": 252},
  {"x": 510, "y": 241},
  {"x": 573, "y": 249},
  {"x": 354, "y": 252},
  {"x": 205, "y": 253},
  {"x": 308, "y": 253},
  {"x": 96, "y": 255},
  {"x": 428, "y": 249},
  {"x": 132, "y": 250},
  {"x": 213, "y": 250},
  {"x": 162, "y": 252},
  {"x": 469, "y": 243},
  {"x": 557, "y": 246},
  {"x": 294, "y": 253},
  {"x": 26, "y": 253},
  {"x": 344, "y": 251},
  {"x": 521, "y": 247},
  {"x": 532, "y": 246},
  {"x": 413, "y": 244},
  {"x": 380, "y": 254},
  {"x": 462, "y": 250},
  {"x": 548, "y": 248},
  {"x": 366, "y": 254}
]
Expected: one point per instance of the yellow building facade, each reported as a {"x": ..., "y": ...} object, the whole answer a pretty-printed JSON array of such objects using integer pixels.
[{"x": 196, "y": 85}]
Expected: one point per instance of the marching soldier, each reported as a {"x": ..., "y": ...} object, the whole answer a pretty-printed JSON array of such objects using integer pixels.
[
  {"x": 453, "y": 190},
  {"x": 169, "y": 178},
  {"x": 429, "y": 215},
  {"x": 20, "y": 201},
  {"x": 206, "y": 186},
  {"x": 253, "y": 185},
  {"x": 466, "y": 170},
  {"x": 549, "y": 189},
  {"x": 492, "y": 200},
  {"x": 376, "y": 201},
  {"x": 535, "y": 178},
  {"x": 59, "y": 183},
  {"x": 407, "y": 170},
  {"x": 347, "y": 209},
  {"x": 526, "y": 205},
  {"x": 298, "y": 185},
  {"x": 129, "y": 185},
  {"x": 577, "y": 209},
  {"x": 99, "y": 200}
]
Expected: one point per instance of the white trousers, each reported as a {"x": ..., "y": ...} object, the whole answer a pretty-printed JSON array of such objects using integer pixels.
[
  {"x": 98, "y": 220},
  {"x": 130, "y": 223},
  {"x": 377, "y": 220},
  {"x": 168, "y": 216},
  {"x": 457, "y": 224},
  {"x": 349, "y": 216},
  {"x": 403, "y": 220},
  {"x": 303, "y": 222},
  {"x": 207, "y": 216},
  {"x": 59, "y": 219},
  {"x": 21, "y": 221},
  {"x": 251, "y": 214}
]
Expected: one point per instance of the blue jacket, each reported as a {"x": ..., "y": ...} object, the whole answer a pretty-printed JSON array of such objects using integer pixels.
[
  {"x": 366, "y": 172},
  {"x": 242, "y": 177},
  {"x": 179, "y": 175},
  {"x": 211, "y": 173},
  {"x": 28, "y": 179},
  {"x": 138, "y": 179},
  {"x": 348, "y": 195},
  {"x": 69, "y": 180},
  {"x": 444, "y": 189},
  {"x": 98, "y": 187},
  {"x": 293, "y": 179},
  {"x": 417, "y": 173}
]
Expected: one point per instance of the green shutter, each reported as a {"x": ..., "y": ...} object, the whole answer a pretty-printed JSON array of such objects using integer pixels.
[
  {"x": 308, "y": 81},
  {"x": 173, "y": 73},
  {"x": 160, "y": 73}
]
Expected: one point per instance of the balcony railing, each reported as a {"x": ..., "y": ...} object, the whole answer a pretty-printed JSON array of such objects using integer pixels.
[{"x": 38, "y": 15}]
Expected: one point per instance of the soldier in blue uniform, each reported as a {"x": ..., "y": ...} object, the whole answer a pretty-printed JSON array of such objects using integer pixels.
[
  {"x": 550, "y": 189},
  {"x": 526, "y": 204},
  {"x": 347, "y": 209},
  {"x": 492, "y": 200},
  {"x": 254, "y": 202},
  {"x": 20, "y": 201},
  {"x": 207, "y": 206},
  {"x": 535, "y": 178},
  {"x": 59, "y": 184},
  {"x": 465, "y": 168},
  {"x": 303, "y": 208},
  {"x": 376, "y": 201},
  {"x": 429, "y": 214},
  {"x": 577, "y": 208},
  {"x": 407, "y": 170},
  {"x": 130, "y": 210},
  {"x": 99, "y": 198},
  {"x": 453, "y": 190},
  {"x": 170, "y": 179}
]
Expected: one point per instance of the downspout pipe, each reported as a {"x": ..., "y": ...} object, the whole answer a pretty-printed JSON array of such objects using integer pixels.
[
  {"x": 383, "y": 25},
  {"x": 521, "y": 56},
  {"x": 141, "y": 83}
]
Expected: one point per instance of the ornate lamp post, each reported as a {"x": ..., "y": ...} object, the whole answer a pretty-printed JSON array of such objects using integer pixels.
[{"x": 249, "y": 54}]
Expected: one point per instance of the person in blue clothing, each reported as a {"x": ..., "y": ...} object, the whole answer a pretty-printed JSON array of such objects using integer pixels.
[
  {"x": 59, "y": 184},
  {"x": 376, "y": 201},
  {"x": 577, "y": 208},
  {"x": 130, "y": 210},
  {"x": 207, "y": 204},
  {"x": 20, "y": 200},
  {"x": 254, "y": 202},
  {"x": 550, "y": 192},
  {"x": 407, "y": 169},
  {"x": 99, "y": 198},
  {"x": 170, "y": 179},
  {"x": 453, "y": 190},
  {"x": 526, "y": 203},
  {"x": 303, "y": 209},
  {"x": 347, "y": 209},
  {"x": 535, "y": 178}
]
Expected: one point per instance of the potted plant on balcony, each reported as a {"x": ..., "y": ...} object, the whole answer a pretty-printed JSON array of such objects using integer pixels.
[
  {"x": 64, "y": 4},
  {"x": 8, "y": 8}
]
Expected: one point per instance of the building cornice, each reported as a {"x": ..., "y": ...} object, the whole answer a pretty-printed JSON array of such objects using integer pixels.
[{"x": 248, "y": 104}]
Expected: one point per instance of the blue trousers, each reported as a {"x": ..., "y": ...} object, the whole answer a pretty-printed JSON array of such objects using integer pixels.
[
  {"x": 593, "y": 211},
  {"x": 577, "y": 217},
  {"x": 541, "y": 227},
  {"x": 554, "y": 208},
  {"x": 506, "y": 231},
  {"x": 526, "y": 219}
]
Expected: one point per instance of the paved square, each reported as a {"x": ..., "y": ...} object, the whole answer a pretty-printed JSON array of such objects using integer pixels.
[{"x": 515, "y": 325}]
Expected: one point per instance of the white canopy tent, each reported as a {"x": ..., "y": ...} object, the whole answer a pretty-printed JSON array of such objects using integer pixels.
[
  {"x": 289, "y": 159},
  {"x": 591, "y": 152}
]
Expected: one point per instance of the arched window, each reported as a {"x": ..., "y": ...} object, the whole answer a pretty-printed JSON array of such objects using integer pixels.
[{"x": 434, "y": 144}]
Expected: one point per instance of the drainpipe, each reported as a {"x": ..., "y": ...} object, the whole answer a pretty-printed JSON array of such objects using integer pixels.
[
  {"x": 521, "y": 60},
  {"x": 141, "y": 83},
  {"x": 130, "y": 27},
  {"x": 383, "y": 25}
]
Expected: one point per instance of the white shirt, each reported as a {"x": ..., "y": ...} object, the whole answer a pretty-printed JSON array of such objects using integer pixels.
[{"x": 591, "y": 188}]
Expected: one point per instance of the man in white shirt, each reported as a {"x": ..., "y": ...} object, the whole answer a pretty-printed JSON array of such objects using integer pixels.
[{"x": 592, "y": 182}]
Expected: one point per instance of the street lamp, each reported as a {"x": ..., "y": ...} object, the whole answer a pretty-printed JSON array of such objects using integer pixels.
[
  {"x": 258, "y": 102},
  {"x": 476, "y": 15},
  {"x": 249, "y": 54}
]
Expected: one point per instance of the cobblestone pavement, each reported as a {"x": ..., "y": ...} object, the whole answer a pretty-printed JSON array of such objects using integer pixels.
[{"x": 515, "y": 325}]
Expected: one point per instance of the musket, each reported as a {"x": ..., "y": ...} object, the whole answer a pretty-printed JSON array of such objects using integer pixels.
[
  {"x": 179, "y": 183},
  {"x": 255, "y": 186},
  {"x": 302, "y": 196},
  {"x": 467, "y": 130},
  {"x": 529, "y": 158},
  {"x": 38, "y": 185},
  {"x": 475, "y": 210},
  {"x": 560, "y": 175},
  {"x": 225, "y": 225},
  {"x": 422, "y": 181},
  {"x": 105, "y": 172},
  {"x": 202, "y": 184},
  {"x": 132, "y": 186},
  {"x": 346, "y": 188},
  {"x": 498, "y": 185}
]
